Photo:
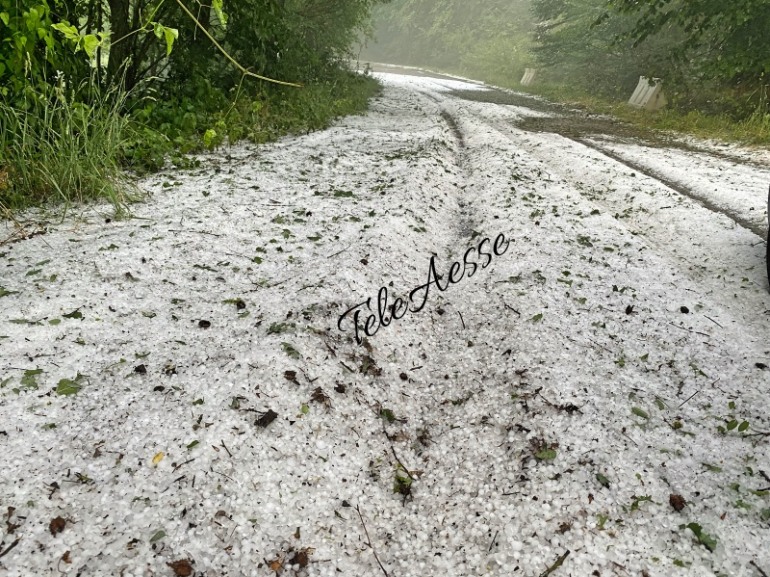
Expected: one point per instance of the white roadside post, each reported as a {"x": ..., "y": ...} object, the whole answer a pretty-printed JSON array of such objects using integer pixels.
[
  {"x": 648, "y": 94},
  {"x": 529, "y": 76}
]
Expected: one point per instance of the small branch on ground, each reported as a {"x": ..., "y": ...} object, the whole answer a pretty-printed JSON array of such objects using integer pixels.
[
  {"x": 400, "y": 463},
  {"x": 510, "y": 308},
  {"x": 492, "y": 544},
  {"x": 687, "y": 399},
  {"x": 195, "y": 231},
  {"x": 369, "y": 541},
  {"x": 8, "y": 549},
  {"x": 338, "y": 252},
  {"x": 758, "y": 434},
  {"x": 555, "y": 566},
  {"x": 758, "y": 568}
]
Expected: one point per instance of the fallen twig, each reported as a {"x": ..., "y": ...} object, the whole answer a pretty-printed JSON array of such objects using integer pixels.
[
  {"x": 369, "y": 541},
  {"x": 182, "y": 464},
  {"x": 195, "y": 231},
  {"x": 555, "y": 566},
  {"x": 687, "y": 399},
  {"x": 758, "y": 568},
  {"x": 492, "y": 544},
  {"x": 601, "y": 346},
  {"x": 509, "y": 307},
  {"x": 758, "y": 434},
  {"x": 8, "y": 549},
  {"x": 400, "y": 463},
  {"x": 338, "y": 252}
]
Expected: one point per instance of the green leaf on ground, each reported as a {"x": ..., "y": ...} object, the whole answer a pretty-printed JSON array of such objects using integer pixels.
[
  {"x": 278, "y": 328},
  {"x": 290, "y": 350},
  {"x": 29, "y": 379},
  {"x": 546, "y": 455},
  {"x": 157, "y": 536},
  {"x": 640, "y": 413},
  {"x": 4, "y": 292},
  {"x": 704, "y": 538},
  {"x": 69, "y": 386},
  {"x": 603, "y": 481}
]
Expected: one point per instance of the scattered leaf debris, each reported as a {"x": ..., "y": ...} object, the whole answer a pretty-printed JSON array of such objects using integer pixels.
[
  {"x": 369, "y": 366},
  {"x": 57, "y": 525},
  {"x": 181, "y": 568},
  {"x": 677, "y": 502},
  {"x": 319, "y": 396},
  {"x": 290, "y": 376},
  {"x": 301, "y": 557},
  {"x": 266, "y": 418}
]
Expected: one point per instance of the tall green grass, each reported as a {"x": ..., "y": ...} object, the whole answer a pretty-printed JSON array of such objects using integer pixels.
[
  {"x": 64, "y": 151},
  {"x": 55, "y": 149}
]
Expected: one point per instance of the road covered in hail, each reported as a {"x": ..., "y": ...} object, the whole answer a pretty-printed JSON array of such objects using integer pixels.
[{"x": 425, "y": 342}]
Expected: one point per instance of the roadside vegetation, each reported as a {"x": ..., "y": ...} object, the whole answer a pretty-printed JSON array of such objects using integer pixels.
[
  {"x": 711, "y": 55},
  {"x": 91, "y": 89}
]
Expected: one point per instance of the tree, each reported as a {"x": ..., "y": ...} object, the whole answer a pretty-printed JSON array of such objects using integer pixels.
[
  {"x": 581, "y": 44},
  {"x": 730, "y": 36}
]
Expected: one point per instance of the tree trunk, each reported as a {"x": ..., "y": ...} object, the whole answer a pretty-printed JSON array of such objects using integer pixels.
[{"x": 121, "y": 45}]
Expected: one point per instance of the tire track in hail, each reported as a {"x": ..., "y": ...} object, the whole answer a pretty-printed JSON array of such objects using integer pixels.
[
  {"x": 696, "y": 250},
  {"x": 673, "y": 185},
  {"x": 465, "y": 221},
  {"x": 574, "y": 126},
  {"x": 654, "y": 175}
]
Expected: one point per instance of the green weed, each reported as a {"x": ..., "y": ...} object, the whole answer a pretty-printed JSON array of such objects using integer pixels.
[{"x": 55, "y": 148}]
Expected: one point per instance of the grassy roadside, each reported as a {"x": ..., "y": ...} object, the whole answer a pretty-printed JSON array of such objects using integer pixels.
[
  {"x": 57, "y": 152},
  {"x": 753, "y": 130}
]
